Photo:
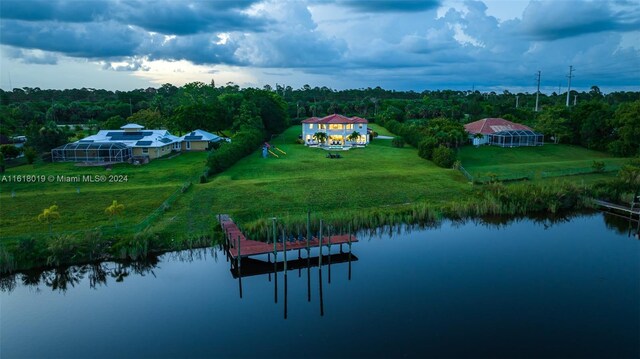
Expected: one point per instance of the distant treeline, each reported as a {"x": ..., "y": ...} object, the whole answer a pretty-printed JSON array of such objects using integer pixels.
[{"x": 593, "y": 119}]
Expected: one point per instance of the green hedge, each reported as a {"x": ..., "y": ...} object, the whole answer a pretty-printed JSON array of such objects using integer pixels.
[{"x": 243, "y": 143}]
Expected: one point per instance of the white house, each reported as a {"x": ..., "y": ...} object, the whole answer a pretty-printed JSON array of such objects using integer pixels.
[{"x": 338, "y": 128}]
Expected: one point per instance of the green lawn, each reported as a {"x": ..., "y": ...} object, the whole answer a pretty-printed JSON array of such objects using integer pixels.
[
  {"x": 535, "y": 162},
  {"x": 376, "y": 176},
  {"x": 146, "y": 189}
]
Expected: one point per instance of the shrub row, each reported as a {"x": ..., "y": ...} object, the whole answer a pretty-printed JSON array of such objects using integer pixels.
[{"x": 244, "y": 142}]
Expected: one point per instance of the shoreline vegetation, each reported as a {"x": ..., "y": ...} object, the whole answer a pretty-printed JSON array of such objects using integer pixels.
[{"x": 167, "y": 207}]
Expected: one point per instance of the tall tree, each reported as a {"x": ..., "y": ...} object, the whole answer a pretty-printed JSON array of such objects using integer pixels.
[
  {"x": 626, "y": 122},
  {"x": 553, "y": 123}
]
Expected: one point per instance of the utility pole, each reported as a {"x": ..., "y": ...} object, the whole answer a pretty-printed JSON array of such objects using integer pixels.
[
  {"x": 538, "y": 91},
  {"x": 517, "y": 101},
  {"x": 130, "y": 107},
  {"x": 575, "y": 99},
  {"x": 569, "y": 86}
]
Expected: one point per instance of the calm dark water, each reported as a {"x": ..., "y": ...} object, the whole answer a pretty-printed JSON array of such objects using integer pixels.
[{"x": 521, "y": 289}]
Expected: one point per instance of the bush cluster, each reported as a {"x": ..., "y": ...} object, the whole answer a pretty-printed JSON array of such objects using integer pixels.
[
  {"x": 444, "y": 157},
  {"x": 244, "y": 142}
]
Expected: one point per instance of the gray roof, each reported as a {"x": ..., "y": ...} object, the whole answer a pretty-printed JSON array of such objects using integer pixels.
[{"x": 130, "y": 126}]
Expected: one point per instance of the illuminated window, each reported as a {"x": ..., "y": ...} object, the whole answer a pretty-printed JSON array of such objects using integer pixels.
[
  {"x": 323, "y": 126},
  {"x": 360, "y": 126},
  {"x": 350, "y": 126},
  {"x": 311, "y": 125}
]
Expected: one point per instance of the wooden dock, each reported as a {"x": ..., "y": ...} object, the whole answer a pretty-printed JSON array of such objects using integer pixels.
[
  {"x": 630, "y": 210},
  {"x": 241, "y": 246}
]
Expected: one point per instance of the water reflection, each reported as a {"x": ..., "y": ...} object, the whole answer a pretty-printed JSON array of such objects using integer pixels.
[
  {"x": 249, "y": 267},
  {"x": 62, "y": 279},
  {"x": 622, "y": 224},
  {"x": 570, "y": 290}
]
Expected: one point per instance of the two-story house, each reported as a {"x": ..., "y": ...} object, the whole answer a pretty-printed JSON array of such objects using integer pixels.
[{"x": 338, "y": 130}]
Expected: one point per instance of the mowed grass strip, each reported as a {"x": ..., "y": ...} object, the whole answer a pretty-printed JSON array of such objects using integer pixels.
[
  {"x": 145, "y": 190},
  {"x": 375, "y": 176},
  {"x": 521, "y": 161}
]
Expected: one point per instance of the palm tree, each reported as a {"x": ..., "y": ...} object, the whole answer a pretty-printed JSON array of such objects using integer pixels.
[
  {"x": 114, "y": 210},
  {"x": 353, "y": 137},
  {"x": 49, "y": 215},
  {"x": 320, "y": 136}
]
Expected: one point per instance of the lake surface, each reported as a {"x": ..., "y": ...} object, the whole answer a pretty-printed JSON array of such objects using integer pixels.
[{"x": 520, "y": 288}]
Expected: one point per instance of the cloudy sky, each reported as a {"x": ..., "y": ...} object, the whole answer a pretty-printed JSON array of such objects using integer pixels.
[{"x": 404, "y": 45}]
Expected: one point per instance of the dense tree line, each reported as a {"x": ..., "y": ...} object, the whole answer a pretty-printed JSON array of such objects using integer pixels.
[
  {"x": 608, "y": 122},
  {"x": 50, "y": 118}
]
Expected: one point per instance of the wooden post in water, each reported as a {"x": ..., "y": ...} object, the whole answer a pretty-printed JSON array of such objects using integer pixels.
[
  {"x": 308, "y": 230},
  {"x": 284, "y": 251},
  {"x": 320, "y": 246},
  {"x": 321, "y": 297},
  {"x": 239, "y": 254},
  {"x": 329, "y": 261},
  {"x": 286, "y": 294},
  {"x": 275, "y": 240},
  {"x": 275, "y": 282},
  {"x": 240, "y": 281},
  {"x": 308, "y": 278},
  {"x": 349, "y": 241},
  {"x": 349, "y": 265}
]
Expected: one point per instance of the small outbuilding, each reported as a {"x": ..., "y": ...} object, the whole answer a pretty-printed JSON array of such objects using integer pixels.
[
  {"x": 200, "y": 140},
  {"x": 503, "y": 133}
]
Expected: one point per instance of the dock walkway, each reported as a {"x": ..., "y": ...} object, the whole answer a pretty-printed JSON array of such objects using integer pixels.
[
  {"x": 241, "y": 246},
  {"x": 617, "y": 207}
]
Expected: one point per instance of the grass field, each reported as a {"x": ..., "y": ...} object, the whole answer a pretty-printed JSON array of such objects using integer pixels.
[
  {"x": 376, "y": 176},
  {"x": 533, "y": 162},
  {"x": 82, "y": 205}
]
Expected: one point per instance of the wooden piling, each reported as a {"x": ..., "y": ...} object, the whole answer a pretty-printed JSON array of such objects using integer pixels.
[
  {"x": 349, "y": 265},
  {"x": 329, "y": 260},
  {"x": 308, "y": 230},
  {"x": 284, "y": 250},
  {"x": 308, "y": 279},
  {"x": 275, "y": 240},
  {"x": 320, "y": 246},
  {"x": 240, "y": 280},
  {"x": 239, "y": 254}
]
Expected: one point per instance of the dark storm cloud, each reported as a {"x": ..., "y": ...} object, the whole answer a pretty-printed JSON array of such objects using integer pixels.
[
  {"x": 114, "y": 29},
  {"x": 91, "y": 40},
  {"x": 563, "y": 19},
  {"x": 390, "y": 5},
  {"x": 180, "y": 18},
  {"x": 66, "y": 11},
  {"x": 163, "y": 16}
]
